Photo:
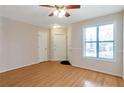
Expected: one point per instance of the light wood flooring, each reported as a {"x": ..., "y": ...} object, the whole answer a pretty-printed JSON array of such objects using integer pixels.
[{"x": 54, "y": 74}]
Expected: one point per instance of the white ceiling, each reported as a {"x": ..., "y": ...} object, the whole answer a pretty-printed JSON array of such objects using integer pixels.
[{"x": 37, "y": 15}]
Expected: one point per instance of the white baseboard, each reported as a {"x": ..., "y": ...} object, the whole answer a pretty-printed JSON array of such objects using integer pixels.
[
  {"x": 9, "y": 69},
  {"x": 57, "y": 59},
  {"x": 99, "y": 71}
]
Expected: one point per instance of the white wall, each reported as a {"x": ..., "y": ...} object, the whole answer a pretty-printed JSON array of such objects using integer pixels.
[
  {"x": 18, "y": 44},
  {"x": 77, "y": 58}
]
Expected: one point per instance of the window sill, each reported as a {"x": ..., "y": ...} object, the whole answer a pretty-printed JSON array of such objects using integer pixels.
[{"x": 100, "y": 59}]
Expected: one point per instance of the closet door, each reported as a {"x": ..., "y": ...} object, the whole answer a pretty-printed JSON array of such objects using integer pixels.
[{"x": 43, "y": 46}]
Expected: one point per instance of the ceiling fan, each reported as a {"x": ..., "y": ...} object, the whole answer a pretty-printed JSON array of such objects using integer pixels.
[{"x": 61, "y": 10}]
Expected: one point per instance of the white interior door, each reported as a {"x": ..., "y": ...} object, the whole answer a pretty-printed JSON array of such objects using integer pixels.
[
  {"x": 43, "y": 46},
  {"x": 59, "y": 46}
]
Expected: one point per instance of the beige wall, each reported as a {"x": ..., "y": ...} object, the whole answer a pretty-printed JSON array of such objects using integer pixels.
[
  {"x": 18, "y": 44},
  {"x": 123, "y": 44},
  {"x": 77, "y": 59},
  {"x": 1, "y": 40},
  {"x": 69, "y": 29}
]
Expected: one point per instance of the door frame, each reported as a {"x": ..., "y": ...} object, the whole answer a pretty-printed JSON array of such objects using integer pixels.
[
  {"x": 40, "y": 59},
  {"x": 52, "y": 44}
]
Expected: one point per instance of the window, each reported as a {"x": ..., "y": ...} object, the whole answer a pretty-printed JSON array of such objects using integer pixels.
[{"x": 99, "y": 41}]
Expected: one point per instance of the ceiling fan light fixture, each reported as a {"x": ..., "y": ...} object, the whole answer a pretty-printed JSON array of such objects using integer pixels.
[
  {"x": 59, "y": 13},
  {"x": 55, "y": 12},
  {"x": 61, "y": 10}
]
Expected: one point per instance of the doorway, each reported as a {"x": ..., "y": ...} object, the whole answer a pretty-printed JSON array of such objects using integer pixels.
[
  {"x": 59, "y": 44},
  {"x": 42, "y": 41}
]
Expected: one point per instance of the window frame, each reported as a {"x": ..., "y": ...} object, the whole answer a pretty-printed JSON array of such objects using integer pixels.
[{"x": 98, "y": 42}]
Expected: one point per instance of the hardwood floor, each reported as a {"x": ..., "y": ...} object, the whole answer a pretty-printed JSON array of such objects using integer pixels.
[{"x": 54, "y": 74}]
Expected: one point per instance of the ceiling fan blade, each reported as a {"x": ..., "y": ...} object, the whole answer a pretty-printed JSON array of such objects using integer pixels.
[
  {"x": 51, "y": 14},
  {"x": 50, "y": 6},
  {"x": 72, "y": 6},
  {"x": 67, "y": 14}
]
